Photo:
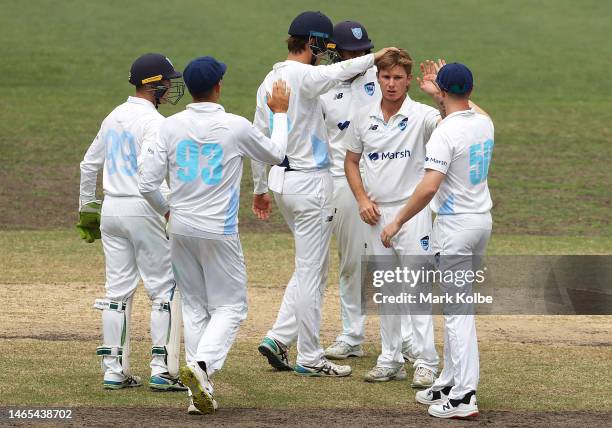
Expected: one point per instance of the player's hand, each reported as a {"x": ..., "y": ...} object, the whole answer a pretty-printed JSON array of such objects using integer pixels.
[
  {"x": 378, "y": 55},
  {"x": 369, "y": 212},
  {"x": 389, "y": 232},
  {"x": 429, "y": 72},
  {"x": 262, "y": 206},
  {"x": 89, "y": 221},
  {"x": 279, "y": 100}
]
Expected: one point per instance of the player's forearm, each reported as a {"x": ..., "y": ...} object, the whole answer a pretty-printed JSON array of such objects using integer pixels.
[
  {"x": 157, "y": 201},
  {"x": 260, "y": 179},
  {"x": 324, "y": 77},
  {"x": 87, "y": 188},
  {"x": 279, "y": 138},
  {"x": 423, "y": 194},
  {"x": 353, "y": 176}
]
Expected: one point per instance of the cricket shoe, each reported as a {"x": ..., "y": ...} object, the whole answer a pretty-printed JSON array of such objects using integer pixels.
[
  {"x": 165, "y": 382},
  {"x": 196, "y": 379},
  {"x": 193, "y": 410},
  {"x": 456, "y": 409},
  {"x": 385, "y": 374},
  {"x": 325, "y": 369},
  {"x": 341, "y": 350},
  {"x": 423, "y": 378},
  {"x": 429, "y": 396},
  {"x": 126, "y": 382},
  {"x": 409, "y": 357},
  {"x": 276, "y": 353}
]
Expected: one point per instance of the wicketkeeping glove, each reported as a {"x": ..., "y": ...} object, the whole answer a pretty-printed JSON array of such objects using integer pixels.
[{"x": 89, "y": 221}]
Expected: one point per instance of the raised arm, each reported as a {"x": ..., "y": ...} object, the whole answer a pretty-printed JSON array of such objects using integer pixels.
[{"x": 322, "y": 78}]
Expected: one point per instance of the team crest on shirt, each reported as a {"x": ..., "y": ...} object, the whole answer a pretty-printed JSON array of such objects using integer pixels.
[
  {"x": 402, "y": 124},
  {"x": 425, "y": 242},
  {"x": 357, "y": 33},
  {"x": 369, "y": 88}
]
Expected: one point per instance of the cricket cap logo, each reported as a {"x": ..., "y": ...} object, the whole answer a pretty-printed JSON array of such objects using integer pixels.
[{"x": 357, "y": 33}]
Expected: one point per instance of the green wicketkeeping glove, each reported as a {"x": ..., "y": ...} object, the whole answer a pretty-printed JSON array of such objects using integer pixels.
[{"x": 89, "y": 221}]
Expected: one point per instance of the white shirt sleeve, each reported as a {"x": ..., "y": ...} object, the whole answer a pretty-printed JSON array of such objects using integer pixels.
[
  {"x": 90, "y": 165},
  {"x": 354, "y": 143},
  {"x": 439, "y": 153},
  {"x": 258, "y": 169},
  {"x": 321, "y": 78},
  {"x": 253, "y": 144},
  {"x": 152, "y": 171},
  {"x": 150, "y": 135}
]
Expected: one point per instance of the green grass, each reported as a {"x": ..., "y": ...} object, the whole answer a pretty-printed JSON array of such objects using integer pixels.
[
  {"x": 513, "y": 377},
  {"x": 60, "y": 256},
  {"x": 540, "y": 71}
]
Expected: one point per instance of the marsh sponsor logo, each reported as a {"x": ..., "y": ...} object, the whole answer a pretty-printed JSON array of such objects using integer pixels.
[
  {"x": 404, "y": 154},
  {"x": 436, "y": 161}
]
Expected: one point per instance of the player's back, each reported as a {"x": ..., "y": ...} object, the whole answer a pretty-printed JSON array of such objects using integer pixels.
[
  {"x": 307, "y": 138},
  {"x": 468, "y": 138},
  {"x": 205, "y": 167},
  {"x": 123, "y": 132}
]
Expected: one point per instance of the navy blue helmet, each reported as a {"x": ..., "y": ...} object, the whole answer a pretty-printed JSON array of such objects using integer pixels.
[{"x": 351, "y": 36}]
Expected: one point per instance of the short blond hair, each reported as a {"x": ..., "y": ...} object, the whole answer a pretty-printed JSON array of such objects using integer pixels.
[{"x": 392, "y": 58}]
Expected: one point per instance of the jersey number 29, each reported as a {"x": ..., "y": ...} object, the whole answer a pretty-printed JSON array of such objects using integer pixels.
[{"x": 188, "y": 159}]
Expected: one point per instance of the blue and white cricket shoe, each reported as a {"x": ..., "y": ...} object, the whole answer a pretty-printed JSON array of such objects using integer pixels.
[
  {"x": 325, "y": 369},
  {"x": 165, "y": 382}
]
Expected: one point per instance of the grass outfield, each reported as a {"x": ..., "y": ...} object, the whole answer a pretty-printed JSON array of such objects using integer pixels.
[
  {"x": 540, "y": 71},
  {"x": 48, "y": 281}
]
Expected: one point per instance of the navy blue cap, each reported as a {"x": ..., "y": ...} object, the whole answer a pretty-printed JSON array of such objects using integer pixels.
[
  {"x": 351, "y": 36},
  {"x": 455, "y": 78},
  {"x": 311, "y": 24},
  {"x": 202, "y": 74}
]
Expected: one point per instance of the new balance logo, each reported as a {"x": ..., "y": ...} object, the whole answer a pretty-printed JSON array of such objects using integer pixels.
[
  {"x": 338, "y": 96},
  {"x": 343, "y": 125},
  {"x": 373, "y": 127}
]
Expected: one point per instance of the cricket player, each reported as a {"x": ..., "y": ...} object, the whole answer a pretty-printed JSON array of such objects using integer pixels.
[
  {"x": 202, "y": 150},
  {"x": 133, "y": 237},
  {"x": 457, "y": 163},
  {"x": 391, "y": 137},
  {"x": 339, "y": 107},
  {"x": 302, "y": 186}
]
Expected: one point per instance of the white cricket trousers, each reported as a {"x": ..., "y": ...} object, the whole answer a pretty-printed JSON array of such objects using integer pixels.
[
  {"x": 461, "y": 240},
  {"x": 211, "y": 277},
  {"x": 305, "y": 204},
  {"x": 350, "y": 237},
  {"x": 136, "y": 247},
  {"x": 412, "y": 239}
]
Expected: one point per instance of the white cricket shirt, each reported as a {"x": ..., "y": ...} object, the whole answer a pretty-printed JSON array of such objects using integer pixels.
[
  {"x": 393, "y": 152},
  {"x": 461, "y": 147},
  {"x": 339, "y": 108},
  {"x": 126, "y": 132},
  {"x": 307, "y": 146},
  {"x": 202, "y": 150}
]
